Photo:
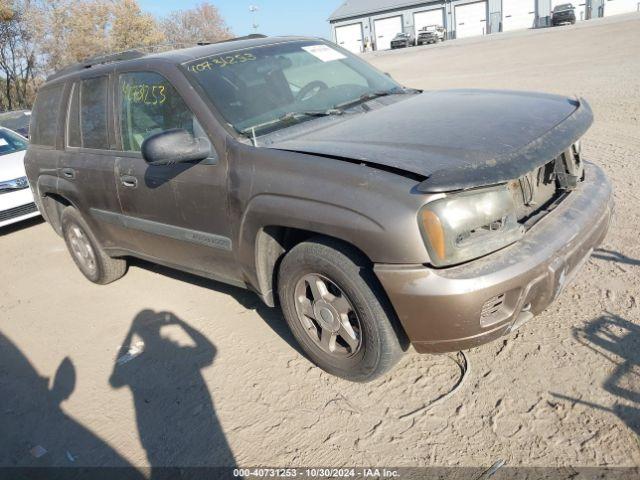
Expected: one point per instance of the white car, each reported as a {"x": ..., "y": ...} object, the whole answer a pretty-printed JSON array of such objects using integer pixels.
[{"x": 16, "y": 199}]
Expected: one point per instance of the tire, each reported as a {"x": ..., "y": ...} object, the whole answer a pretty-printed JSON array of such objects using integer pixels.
[
  {"x": 374, "y": 342},
  {"x": 86, "y": 252}
]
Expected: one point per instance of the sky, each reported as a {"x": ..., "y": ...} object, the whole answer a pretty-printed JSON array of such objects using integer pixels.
[{"x": 275, "y": 17}]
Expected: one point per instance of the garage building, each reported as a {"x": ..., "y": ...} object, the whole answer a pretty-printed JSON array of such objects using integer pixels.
[{"x": 364, "y": 25}]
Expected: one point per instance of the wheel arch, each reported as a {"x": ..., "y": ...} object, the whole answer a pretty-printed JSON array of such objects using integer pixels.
[
  {"x": 272, "y": 244},
  {"x": 55, "y": 195},
  {"x": 273, "y": 224}
]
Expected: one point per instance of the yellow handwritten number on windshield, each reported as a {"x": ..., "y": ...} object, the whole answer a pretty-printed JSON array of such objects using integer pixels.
[{"x": 221, "y": 61}]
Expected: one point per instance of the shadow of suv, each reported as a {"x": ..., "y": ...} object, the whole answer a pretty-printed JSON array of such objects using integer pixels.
[{"x": 293, "y": 168}]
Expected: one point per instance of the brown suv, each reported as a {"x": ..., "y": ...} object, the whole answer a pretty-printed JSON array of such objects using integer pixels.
[{"x": 375, "y": 215}]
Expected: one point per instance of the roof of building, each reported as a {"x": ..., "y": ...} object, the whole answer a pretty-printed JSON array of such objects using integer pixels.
[{"x": 354, "y": 8}]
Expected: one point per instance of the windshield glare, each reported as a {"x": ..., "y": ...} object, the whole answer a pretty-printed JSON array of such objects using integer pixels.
[
  {"x": 255, "y": 87},
  {"x": 11, "y": 142}
]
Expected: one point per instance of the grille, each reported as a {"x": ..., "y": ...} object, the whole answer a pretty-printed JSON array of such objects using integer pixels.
[
  {"x": 540, "y": 191},
  {"x": 492, "y": 307},
  {"x": 18, "y": 211}
]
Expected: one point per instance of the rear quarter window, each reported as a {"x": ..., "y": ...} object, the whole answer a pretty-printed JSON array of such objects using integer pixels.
[
  {"x": 88, "y": 114},
  {"x": 44, "y": 118}
]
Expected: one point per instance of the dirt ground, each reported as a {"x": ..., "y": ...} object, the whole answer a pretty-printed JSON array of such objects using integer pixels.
[{"x": 222, "y": 384}]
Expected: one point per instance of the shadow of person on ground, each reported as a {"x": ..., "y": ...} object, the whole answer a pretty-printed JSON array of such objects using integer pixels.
[
  {"x": 177, "y": 423},
  {"x": 34, "y": 431},
  {"x": 617, "y": 340},
  {"x": 249, "y": 300},
  {"x": 613, "y": 256}
]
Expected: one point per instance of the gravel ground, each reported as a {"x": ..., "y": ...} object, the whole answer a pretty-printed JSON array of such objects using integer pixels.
[{"x": 222, "y": 384}]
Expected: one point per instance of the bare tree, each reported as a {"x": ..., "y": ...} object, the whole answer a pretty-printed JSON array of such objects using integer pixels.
[
  {"x": 202, "y": 23},
  {"x": 38, "y": 37},
  {"x": 68, "y": 31},
  {"x": 17, "y": 58}
]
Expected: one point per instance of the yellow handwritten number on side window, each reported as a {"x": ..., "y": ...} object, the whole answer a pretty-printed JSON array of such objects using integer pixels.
[{"x": 143, "y": 93}]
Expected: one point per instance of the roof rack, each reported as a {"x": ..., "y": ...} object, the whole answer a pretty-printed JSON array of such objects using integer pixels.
[
  {"x": 246, "y": 37},
  {"x": 138, "y": 52},
  {"x": 98, "y": 60}
]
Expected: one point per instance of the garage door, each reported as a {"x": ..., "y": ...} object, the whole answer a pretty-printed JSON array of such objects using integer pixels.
[
  {"x": 350, "y": 37},
  {"x": 615, "y": 7},
  {"x": 518, "y": 14},
  {"x": 471, "y": 19},
  {"x": 430, "y": 17},
  {"x": 386, "y": 29},
  {"x": 580, "y": 7}
]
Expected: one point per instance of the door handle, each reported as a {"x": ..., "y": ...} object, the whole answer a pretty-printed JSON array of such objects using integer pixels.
[
  {"x": 69, "y": 173},
  {"x": 129, "y": 181}
]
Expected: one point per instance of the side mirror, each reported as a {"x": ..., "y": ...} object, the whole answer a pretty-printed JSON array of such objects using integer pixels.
[{"x": 174, "y": 146}]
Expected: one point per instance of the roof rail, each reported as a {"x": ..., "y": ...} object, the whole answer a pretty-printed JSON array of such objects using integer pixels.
[
  {"x": 138, "y": 52},
  {"x": 98, "y": 60},
  {"x": 246, "y": 37}
]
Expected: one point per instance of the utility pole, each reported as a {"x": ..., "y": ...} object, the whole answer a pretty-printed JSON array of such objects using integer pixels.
[{"x": 253, "y": 9}]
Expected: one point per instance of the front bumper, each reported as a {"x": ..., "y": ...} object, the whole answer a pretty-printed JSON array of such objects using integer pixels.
[
  {"x": 468, "y": 305},
  {"x": 17, "y": 206},
  {"x": 563, "y": 20}
]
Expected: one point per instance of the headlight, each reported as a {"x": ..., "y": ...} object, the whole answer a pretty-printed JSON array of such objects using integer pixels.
[
  {"x": 468, "y": 225},
  {"x": 15, "y": 184}
]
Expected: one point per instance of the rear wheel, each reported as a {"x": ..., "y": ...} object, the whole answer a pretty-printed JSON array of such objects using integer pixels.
[
  {"x": 337, "y": 311},
  {"x": 87, "y": 253}
]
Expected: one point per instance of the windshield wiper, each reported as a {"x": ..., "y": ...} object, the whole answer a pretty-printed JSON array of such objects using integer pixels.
[
  {"x": 373, "y": 95},
  {"x": 291, "y": 117}
]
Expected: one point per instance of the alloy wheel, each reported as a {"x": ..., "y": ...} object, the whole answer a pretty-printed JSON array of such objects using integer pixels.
[
  {"x": 327, "y": 316},
  {"x": 82, "y": 250}
]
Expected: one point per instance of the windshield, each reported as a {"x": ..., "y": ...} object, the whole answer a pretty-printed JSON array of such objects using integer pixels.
[
  {"x": 11, "y": 142},
  {"x": 262, "y": 89},
  {"x": 564, "y": 6},
  {"x": 16, "y": 121}
]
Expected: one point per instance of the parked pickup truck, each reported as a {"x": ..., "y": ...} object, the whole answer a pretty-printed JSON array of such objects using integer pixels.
[{"x": 375, "y": 216}]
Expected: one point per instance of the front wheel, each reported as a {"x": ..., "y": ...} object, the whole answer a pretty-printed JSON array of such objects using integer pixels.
[{"x": 337, "y": 311}]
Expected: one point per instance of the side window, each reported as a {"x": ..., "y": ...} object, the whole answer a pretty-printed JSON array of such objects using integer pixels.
[
  {"x": 148, "y": 105},
  {"x": 88, "y": 114},
  {"x": 44, "y": 118}
]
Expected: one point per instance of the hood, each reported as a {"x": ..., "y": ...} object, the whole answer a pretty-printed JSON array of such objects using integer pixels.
[
  {"x": 12, "y": 166},
  {"x": 457, "y": 139}
]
